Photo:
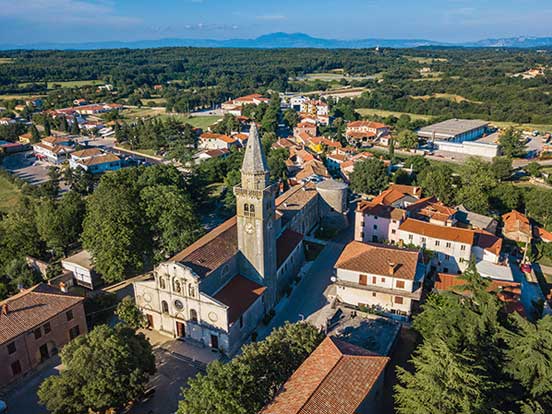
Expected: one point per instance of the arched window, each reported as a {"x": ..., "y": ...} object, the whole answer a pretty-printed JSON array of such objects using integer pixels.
[
  {"x": 164, "y": 307},
  {"x": 246, "y": 209},
  {"x": 191, "y": 291},
  {"x": 162, "y": 284},
  {"x": 193, "y": 315},
  {"x": 176, "y": 286},
  {"x": 252, "y": 210}
]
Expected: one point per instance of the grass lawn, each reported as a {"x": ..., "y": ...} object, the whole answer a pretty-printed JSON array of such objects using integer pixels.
[
  {"x": 9, "y": 194},
  {"x": 384, "y": 113},
  {"x": 149, "y": 152},
  {"x": 75, "y": 84},
  {"x": 528, "y": 127},
  {"x": 143, "y": 112},
  {"x": 448, "y": 96},
  {"x": 202, "y": 122}
]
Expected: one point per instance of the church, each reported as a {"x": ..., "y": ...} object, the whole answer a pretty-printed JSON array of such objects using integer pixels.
[{"x": 216, "y": 291}]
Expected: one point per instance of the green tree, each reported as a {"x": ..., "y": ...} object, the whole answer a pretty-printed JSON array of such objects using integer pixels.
[
  {"x": 407, "y": 139},
  {"x": 75, "y": 130},
  {"x": 502, "y": 168},
  {"x": 291, "y": 117},
  {"x": 232, "y": 179},
  {"x": 369, "y": 176},
  {"x": 511, "y": 142},
  {"x": 250, "y": 380},
  {"x": 47, "y": 127},
  {"x": 277, "y": 163},
  {"x": 533, "y": 169},
  {"x": 417, "y": 163},
  {"x": 439, "y": 182},
  {"x": 539, "y": 205},
  {"x": 128, "y": 312},
  {"x": 444, "y": 381},
  {"x": 102, "y": 370},
  {"x": 35, "y": 135},
  {"x": 477, "y": 182},
  {"x": 529, "y": 357}
]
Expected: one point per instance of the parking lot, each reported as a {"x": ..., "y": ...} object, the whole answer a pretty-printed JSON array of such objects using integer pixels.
[{"x": 25, "y": 166}]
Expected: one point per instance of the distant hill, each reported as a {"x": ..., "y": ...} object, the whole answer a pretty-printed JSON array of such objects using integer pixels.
[{"x": 286, "y": 40}]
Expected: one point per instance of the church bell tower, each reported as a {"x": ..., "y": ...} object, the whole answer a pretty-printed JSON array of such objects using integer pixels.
[{"x": 255, "y": 208}]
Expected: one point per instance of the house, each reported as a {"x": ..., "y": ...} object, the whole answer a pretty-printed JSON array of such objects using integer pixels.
[
  {"x": 453, "y": 247},
  {"x": 517, "y": 227},
  {"x": 313, "y": 170},
  {"x": 475, "y": 220},
  {"x": 95, "y": 161},
  {"x": 315, "y": 107},
  {"x": 284, "y": 143},
  {"x": 54, "y": 149},
  {"x": 209, "y": 140},
  {"x": 7, "y": 121},
  {"x": 543, "y": 235},
  {"x": 362, "y": 133},
  {"x": 80, "y": 102},
  {"x": 433, "y": 211},
  {"x": 296, "y": 101},
  {"x": 385, "y": 278},
  {"x": 234, "y": 106},
  {"x": 210, "y": 154},
  {"x": 216, "y": 291},
  {"x": 35, "y": 324},
  {"x": 81, "y": 266},
  {"x": 337, "y": 378},
  {"x": 305, "y": 128}
]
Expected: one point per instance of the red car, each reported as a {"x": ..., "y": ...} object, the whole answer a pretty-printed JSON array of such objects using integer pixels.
[{"x": 526, "y": 267}]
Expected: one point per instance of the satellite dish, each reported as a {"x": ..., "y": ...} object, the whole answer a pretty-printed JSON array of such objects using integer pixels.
[{"x": 333, "y": 279}]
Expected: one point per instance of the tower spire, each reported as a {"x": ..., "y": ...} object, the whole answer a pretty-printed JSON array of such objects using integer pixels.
[
  {"x": 255, "y": 172},
  {"x": 254, "y": 161}
]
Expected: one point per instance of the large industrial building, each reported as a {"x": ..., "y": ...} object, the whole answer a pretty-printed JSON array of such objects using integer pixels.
[{"x": 455, "y": 130}]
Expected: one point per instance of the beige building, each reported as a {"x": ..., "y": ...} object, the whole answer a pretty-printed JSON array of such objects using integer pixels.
[
  {"x": 384, "y": 278},
  {"x": 217, "y": 290},
  {"x": 34, "y": 325}
]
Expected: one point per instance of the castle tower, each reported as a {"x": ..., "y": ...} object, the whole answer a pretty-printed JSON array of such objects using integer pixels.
[{"x": 255, "y": 208}]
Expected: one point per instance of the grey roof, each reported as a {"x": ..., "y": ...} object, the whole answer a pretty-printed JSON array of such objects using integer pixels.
[
  {"x": 452, "y": 127},
  {"x": 477, "y": 220},
  {"x": 254, "y": 160},
  {"x": 332, "y": 185}
]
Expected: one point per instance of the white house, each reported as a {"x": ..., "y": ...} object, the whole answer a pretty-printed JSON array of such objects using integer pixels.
[
  {"x": 82, "y": 267},
  {"x": 95, "y": 160},
  {"x": 385, "y": 278},
  {"x": 54, "y": 149},
  {"x": 211, "y": 141}
]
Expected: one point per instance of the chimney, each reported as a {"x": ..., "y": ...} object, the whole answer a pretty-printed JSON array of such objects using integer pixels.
[
  {"x": 391, "y": 269},
  {"x": 5, "y": 309}
]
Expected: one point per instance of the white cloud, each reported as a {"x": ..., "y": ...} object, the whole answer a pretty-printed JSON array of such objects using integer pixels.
[{"x": 100, "y": 12}]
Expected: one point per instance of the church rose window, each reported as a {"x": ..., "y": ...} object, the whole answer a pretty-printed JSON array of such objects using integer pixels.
[{"x": 178, "y": 305}]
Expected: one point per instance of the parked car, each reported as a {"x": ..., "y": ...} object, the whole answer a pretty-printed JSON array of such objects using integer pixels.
[{"x": 526, "y": 267}]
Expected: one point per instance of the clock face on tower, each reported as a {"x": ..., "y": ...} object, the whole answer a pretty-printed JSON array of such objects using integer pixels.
[{"x": 250, "y": 228}]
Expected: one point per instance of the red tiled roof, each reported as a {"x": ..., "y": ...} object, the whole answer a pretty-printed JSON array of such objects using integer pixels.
[
  {"x": 221, "y": 137},
  {"x": 239, "y": 294},
  {"x": 407, "y": 189},
  {"x": 543, "y": 234},
  {"x": 515, "y": 221},
  {"x": 431, "y": 208},
  {"x": 334, "y": 379},
  {"x": 367, "y": 124},
  {"x": 438, "y": 232},
  {"x": 285, "y": 244},
  {"x": 32, "y": 308},
  {"x": 379, "y": 259},
  {"x": 380, "y": 210},
  {"x": 388, "y": 197}
]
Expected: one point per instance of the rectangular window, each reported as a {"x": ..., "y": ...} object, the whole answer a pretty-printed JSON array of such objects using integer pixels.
[
  {"x": 463, "y": 248},
  {"x": 375, "y": 226},
  {"x": 363, "y": 280},
  {"x": 410, "y": 237},
  {"x": 69, "y": 315},
  {"x": 423, "y": 240},
  {"x": 16, "y": 368},
  {"x": 11, "y": 348},
  {"x": 400, "y": 284},
  {"x": 393, "y": 231},
  {"x": 399, "y": 300},
  {"x": 74, "y": 332},
  {"x": 448, "y": 245},
  {"x": 374, "y": 294},
  {"x": 382, "y": 280},
  {"x": 47, "y": 328},
  {"x": 37, "y": 333},
  {"x": 374, "y": 280},
  {"x": 437, "y": 243}
]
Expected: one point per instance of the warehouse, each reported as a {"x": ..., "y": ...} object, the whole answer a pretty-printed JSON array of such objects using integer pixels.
[{"x": 455, "y": 130}]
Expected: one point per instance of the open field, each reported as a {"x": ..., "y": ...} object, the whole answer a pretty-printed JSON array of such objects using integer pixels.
[
  {"x": 76, "y": 84},
  {"x": 424, "y": 60},
  {"x": 20, "y": 97},
  {"x": 336, "y": 76},
  {"x": 383, "y": 113},
  {"x": 9, "y": 194},
  {"x": 447, "y": 96},
  {"x": 144, "y": 112},
  {"x": 202, "y": 122},
  {"x": 149, "y": 152},
  {"x": 155, "y": 101},
  {"x": 3, "y": 61},
  {"x": 525, "y": 127}
]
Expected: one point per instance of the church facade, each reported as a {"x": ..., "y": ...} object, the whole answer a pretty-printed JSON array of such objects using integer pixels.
[{"x": 217, "y": 290}]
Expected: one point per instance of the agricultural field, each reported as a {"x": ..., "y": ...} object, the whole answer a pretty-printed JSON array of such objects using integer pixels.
[
  {"x": 10, "y": 97},
  {"x": 3, "y": 61},
  {"x": 447, "y": 96},
  {"x": 75, "y": 84},
  {"x": 9, "y": 194},
  {"x": 424, "y": 60},
  {"x": 155, "y": 101},
  {"x": 335, "y": 76},
  {"x": 383, "y": 113}
]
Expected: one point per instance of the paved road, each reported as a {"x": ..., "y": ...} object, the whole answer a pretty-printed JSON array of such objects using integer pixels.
[
  {"x": 308, "y": 297},
  {"x": 28, "y": 169}
]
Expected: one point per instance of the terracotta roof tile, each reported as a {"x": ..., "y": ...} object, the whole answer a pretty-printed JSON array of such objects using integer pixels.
[
  {"x": 33, "y": 307},
  {"x": 515, "y": 221},
  {"x": 239, "y": 294},
  {"x": 438, "y": 232},
  {"x": 379, "y": 259},
  {"x": 334, "y": 379}
]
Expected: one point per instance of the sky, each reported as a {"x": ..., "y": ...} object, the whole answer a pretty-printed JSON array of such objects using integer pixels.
[{"x": 68, "y": 21}]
